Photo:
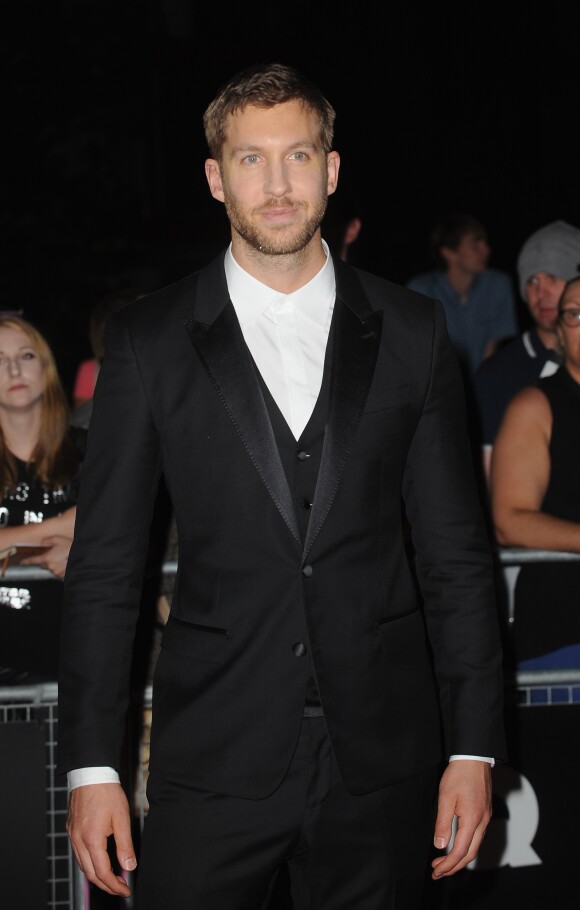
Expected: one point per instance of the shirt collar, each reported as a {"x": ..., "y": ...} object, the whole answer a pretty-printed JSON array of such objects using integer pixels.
[
  {"x": 251, "y": 298},
  {"x": 450, "y": 290},
  {"x": 536, "y": 347}
]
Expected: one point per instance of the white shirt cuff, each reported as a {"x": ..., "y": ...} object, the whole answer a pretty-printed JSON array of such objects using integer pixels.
[
  {"x": 83, "y": 776},
  {"x": 474, "y": 758}
]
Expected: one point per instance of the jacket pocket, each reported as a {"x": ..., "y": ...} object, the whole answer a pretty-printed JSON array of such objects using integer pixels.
[
  {"x": 192, "y": 639},
  {"x": 384, "y": 399},
  {"x": 403, "y": 632}
]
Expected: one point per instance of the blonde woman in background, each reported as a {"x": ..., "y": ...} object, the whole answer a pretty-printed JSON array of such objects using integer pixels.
[{"x": 40, "y": 456}]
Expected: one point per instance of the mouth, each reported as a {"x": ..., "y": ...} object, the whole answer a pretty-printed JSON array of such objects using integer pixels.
[
  {"x": 278, "y": 215},
  {"x": 16, "y": 388}
]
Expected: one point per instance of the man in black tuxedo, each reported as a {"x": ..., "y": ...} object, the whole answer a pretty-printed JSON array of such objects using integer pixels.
[{"x": 333, "y": 636}]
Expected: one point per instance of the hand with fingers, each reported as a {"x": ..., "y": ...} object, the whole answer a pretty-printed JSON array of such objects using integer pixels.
[
  {"x": 97, "y": 812},
  {"x": 464, "y": 792},
  {"x": 55, "y": 558}
]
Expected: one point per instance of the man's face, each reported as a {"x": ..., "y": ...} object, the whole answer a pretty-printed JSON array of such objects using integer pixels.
[
  {"x": 471, "y": 254},
  {"x": 543, "y": 292},
  {"x": 274, "y": 177}
]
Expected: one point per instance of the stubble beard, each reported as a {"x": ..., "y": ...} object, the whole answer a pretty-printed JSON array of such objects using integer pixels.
[{"x": 276, "y": 242}]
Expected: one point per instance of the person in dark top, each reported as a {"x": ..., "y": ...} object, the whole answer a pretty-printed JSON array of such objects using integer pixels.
[
  {"x": 88, "y": 370},
  {"x": 546, "y": 261},
  {"x": 40, "y": 456},
  {"x": 535, "y": 489}
]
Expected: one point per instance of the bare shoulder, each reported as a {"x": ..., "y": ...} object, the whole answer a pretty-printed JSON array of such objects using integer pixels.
[
  {"x": 529, "y": 403},
  {"x": 526, "y": 424}
]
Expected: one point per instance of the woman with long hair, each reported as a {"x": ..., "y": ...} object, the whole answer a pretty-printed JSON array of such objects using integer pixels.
[{"x": 40, "y": 457}]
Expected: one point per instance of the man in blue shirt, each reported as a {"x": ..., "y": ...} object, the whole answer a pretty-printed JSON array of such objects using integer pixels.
[{"x": 479, "y": 302}]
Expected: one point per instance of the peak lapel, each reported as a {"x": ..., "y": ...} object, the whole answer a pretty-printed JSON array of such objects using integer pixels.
[
  {"x": 355, "y": 348},
  {"x": 225, "y": 356}
]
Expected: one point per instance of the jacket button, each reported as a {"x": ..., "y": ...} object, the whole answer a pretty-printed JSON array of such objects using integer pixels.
[
  {"x": 299, "y": 649},
  {"x": 307, "y": 571},
  {"x": 306, "y": 503},
  {"x": 302, "y": 456}
]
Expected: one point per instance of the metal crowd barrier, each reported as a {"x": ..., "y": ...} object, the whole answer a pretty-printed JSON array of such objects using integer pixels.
[
  {"x": 67, "y": 888},
  {"x": 37, "y": 705}
]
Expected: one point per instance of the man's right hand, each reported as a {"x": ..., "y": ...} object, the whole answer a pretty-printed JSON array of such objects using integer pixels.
[{"x": 96, "y": 812}]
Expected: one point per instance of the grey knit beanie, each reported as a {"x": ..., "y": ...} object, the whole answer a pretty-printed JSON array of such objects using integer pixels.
[{"x": 554, "y": 249}]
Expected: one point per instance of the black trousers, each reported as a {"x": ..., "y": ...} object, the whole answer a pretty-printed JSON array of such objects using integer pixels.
[{"x": 207, "y": 851}]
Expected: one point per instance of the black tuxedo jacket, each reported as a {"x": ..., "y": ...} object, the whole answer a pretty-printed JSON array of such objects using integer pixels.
[{"x": 406, "y": 653}]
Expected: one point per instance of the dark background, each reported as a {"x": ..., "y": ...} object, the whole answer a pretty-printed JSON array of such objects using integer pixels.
[{"x": 440, "y": 107}]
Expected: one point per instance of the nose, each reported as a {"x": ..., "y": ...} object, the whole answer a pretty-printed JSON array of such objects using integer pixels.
[
  {"x": 277, "y": 180},
  {"x": 14, "y": 366},
  {"x": 544, "y": 291}
]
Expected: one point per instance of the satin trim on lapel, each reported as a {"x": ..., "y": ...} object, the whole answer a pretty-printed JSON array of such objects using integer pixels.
[
  {"x": 356, "y": 346},
  {"x": 225, "y": 356}
]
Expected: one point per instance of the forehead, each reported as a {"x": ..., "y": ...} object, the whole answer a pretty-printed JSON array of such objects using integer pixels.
[
  {"x": 572, "y": 293},
  {"x": 13, "y": 337},
  {"x": 473, "y": 237},
  {"x": 290, "y": 122}
]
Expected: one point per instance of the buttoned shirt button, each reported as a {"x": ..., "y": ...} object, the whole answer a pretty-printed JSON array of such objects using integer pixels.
[
  {"x": 299, "y": 649},
  {"x": 306, "y": 503},
  {"x": 302, "y": 456},
  {"x": 307, "y": 571}
]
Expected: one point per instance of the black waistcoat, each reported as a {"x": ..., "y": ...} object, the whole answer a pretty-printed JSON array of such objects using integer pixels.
[{"x": 301, "y": 461}]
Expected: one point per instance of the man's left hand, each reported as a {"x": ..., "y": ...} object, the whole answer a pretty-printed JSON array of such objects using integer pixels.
[{"x": 465, "y": 792}]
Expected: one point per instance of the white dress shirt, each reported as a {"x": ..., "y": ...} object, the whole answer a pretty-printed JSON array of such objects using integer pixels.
[{"x": 286, "y": 335}]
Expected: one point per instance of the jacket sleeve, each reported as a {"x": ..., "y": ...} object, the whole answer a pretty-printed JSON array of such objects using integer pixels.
[
  {"x": 104, "y": 577},
  {"x": 454, "y": 561}
]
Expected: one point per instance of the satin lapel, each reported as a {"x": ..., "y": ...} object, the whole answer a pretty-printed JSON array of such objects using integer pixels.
[
  {"x": 355, "y": 349},
  {"x": 225, "y": 356}
]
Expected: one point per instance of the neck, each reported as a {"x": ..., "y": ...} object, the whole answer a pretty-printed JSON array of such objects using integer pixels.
[
  {"x": 460, "y": 281},
  {"x": 548, "y": 339},
  {"x": 285, "y": 272},
  {"x": 21, "y": 431},
  {"x": 574, "y": 371}
]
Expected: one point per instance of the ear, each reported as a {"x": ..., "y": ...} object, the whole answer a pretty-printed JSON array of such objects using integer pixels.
[
  {"x": 447, "y": 254},
  {"x": 212, "y": 173},
  {"x": 332, "y": 166}
]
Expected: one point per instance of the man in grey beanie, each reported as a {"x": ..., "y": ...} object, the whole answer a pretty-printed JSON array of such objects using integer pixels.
[
  {"x": 552, "y": 250},
  {"x": 547, "y": 259}
]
